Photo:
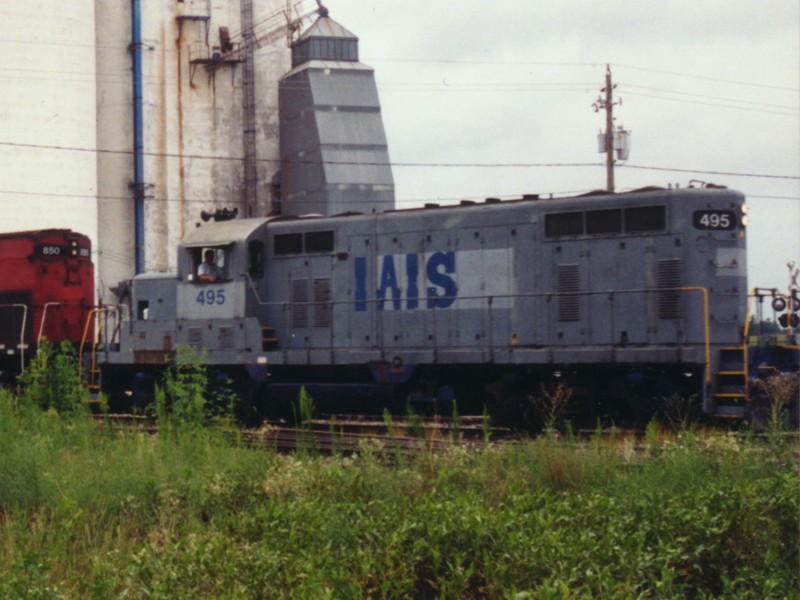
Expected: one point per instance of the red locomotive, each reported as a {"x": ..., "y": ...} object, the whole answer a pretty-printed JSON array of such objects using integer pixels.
[{"x": 46, "y": 291}]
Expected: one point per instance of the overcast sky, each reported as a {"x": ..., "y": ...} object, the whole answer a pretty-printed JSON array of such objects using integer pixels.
[{"x": 710, "y": 91}]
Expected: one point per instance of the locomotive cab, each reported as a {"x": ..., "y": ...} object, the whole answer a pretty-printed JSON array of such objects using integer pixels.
[{"x": 220, "y": 273}]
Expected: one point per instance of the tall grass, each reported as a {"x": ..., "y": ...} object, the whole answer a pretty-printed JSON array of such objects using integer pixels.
[{"x": 89, "y": 513}]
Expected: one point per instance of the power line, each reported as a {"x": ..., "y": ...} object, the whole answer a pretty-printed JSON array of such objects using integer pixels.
[
  {"x": 399, "y": 164},
  {"x": 794, "y": 113},
  {"x": 709, "y": 172},
  {"x": 583, "y": 64},
  {"x": 707, "y": 78},
  {"x": 773, "y": 197},
  {"x": 706, "y": 97}
]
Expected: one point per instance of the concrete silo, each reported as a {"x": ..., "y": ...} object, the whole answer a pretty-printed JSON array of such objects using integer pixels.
[
  {"x": 47, "y": 116},
  {"x": 185, "y": 150}
]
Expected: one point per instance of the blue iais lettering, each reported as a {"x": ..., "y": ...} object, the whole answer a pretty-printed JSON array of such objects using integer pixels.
[
  {"x": 361, "y": 283},
  {"x": 401, "y": 273},
  {"x": 439, "y": 268},
  {"x": 412, "y": 272},
  {"x": 389, "y": 282}
]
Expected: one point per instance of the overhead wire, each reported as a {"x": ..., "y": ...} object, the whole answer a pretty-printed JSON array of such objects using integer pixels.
[
  {"x": 626, "y": 86},
  {"x": 795, "y": 112},
  {"x": 415, "y": 164},
  {"x": 708, "y": 78}
]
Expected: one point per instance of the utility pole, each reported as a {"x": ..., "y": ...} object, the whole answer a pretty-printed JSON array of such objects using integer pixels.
[
  {"x": 611, "y": 140},
  {"x": 609, "y": 104}
]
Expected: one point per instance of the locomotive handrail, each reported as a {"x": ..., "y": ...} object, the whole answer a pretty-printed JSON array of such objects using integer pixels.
[
  {"x": 89, "y": 318},
  {"x": 252, "y": 286},
  {"x": 44, "y": 317},
  {"x": 706, "y": 326},
  {"x": 92, "y": 313},
  {"x": 493, "y": 299},
  {"x": 24, "y": 308}
]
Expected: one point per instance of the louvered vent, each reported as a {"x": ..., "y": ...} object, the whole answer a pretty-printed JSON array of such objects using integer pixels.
[
  {"x": 567, "y": 286},
  {"x": 669, "y": 274},
  {"x": 299, "y": 303},
  {"x": 322, "y": 302},
  {"x": 194, "y": 336},
  {"x": 225, "y": 338}
]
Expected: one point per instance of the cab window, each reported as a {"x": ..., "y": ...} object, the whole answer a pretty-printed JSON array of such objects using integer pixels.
[{"x": 209, "y": 264}]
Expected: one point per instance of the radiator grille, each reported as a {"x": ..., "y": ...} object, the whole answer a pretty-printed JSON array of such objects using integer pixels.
[
  {"x": 568, "y": 286},
  {"x": 299, "y": 303},
  {"x": 669, "y": 274},
  {"x": 194, "y": 337},
  {"x": 225, "y": 338},
  {"x": 322, "y": 302}
]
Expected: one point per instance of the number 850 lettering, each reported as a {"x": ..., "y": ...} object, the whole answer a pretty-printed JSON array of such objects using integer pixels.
[{"x": 210, "y": 297}]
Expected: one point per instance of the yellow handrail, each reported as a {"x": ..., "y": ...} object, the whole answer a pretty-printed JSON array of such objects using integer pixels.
[
  {"x": 92, "y": 314},
  {"x": 706, "y": 327}
]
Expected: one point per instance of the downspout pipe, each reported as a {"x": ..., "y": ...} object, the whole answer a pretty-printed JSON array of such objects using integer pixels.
[{"x": 138, "y": 133}]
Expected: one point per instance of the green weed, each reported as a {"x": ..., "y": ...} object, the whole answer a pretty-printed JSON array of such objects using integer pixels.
[
  {"x": 304, "y": 413},
  {"x": 52, "y": 382},
  {"x": 85, "y": 514}
]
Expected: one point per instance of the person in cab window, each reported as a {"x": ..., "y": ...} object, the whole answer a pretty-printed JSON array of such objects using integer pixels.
[{"x": 208, "y": 271}]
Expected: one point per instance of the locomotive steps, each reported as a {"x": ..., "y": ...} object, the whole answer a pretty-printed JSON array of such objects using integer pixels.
[{"x": 730, "y": 399}]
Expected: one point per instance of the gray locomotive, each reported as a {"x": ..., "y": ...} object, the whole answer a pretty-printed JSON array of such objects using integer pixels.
[{"x": 628, "y": 297}]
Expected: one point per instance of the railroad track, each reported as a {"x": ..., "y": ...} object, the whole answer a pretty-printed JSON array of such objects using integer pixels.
[
  {"x": 342, "y": 433},
  {"x": 467, "y": 428},
  {"x": 349, "y": 434},
  {"x": 343, "y": 442}
]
